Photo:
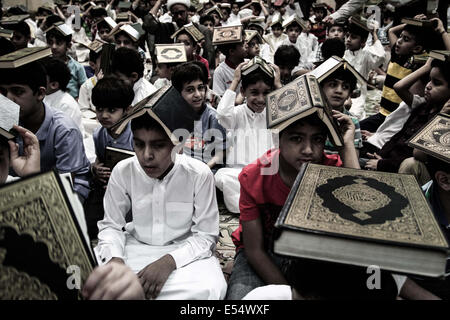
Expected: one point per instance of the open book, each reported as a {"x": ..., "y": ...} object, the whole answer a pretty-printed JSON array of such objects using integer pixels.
[
  {"x": 257, "y": 63},
  {"x": 45, "y": 252},
  {"x": 299, "y": 99},
  {"x": 9, "y": 116}
]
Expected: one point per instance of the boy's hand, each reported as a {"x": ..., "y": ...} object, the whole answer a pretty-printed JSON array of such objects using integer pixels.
[
  {"x": 366, "y": 134},
  {"x": 237, "y": 76},
  {"x": 30, "y": 162},
  {"x": 440, "y": 26},
  {"x": 347, "y": 127},
  {"x": 277, "y": 76},
  {"x": 373, "y": 163},
  {"x": 101, "y": 172},
  {"x": 154, "y": 276},
  {"x": 420, "y": 17},
  {"x": 446, "y": 108}
]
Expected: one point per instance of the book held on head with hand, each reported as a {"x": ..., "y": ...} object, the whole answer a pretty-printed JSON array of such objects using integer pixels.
[
  {"x": 299, "y": 99},
  {"x": 257, "y": 63},
  {"x": 9, "y": 116},
  {"x": 361, "y": 218}
]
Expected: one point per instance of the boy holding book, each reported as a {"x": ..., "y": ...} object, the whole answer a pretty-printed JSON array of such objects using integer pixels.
[
  {"x": 60, "y": 41},
  {"x": 246, "y": 128},
  {"x": 170, "y": 242},
  {"x": 207, "y": 142},
  {"x": 265, "y": 185},
  {"x": 61, "y": 142}
]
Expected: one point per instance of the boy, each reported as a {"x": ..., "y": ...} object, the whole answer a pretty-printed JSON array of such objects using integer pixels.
[
  {"x": 363, "y": 58},
  {"x": 424, "y": 108},
  {"x": 58, "y": 76},
  {"x": 254, "y": 42},
  {"x": 257, "y": 24},
  {"x": 61, "y": 142},
  {"x": 22, "y": 35},
  {"x": 334, "y": 31},
  {"x": 337, "y": 88},
  {"x": 171, "y": 240},
  {"x": 318, "y": 28},
  {"x": 165, "y": 66},
  {"x": 207, "y": 142},
  {"x": 286, "y": 58},
  {"x": 246, "y": 128},
  {"x": 112, "y": 98},
  {"x": 60, "y": 40},
  {"x": 224, "y": 73},
  {"x": 127, "y": 65},
  {"x": 276, "y": 37},
  {"x": 263, "y": 196},
  {"x": 406, "y": 41},
  {"x": 84, "y": 99}
]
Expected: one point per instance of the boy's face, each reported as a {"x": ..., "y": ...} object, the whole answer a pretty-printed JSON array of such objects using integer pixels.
[
  {"x": 319, "y": 14},
  {"x": 302, "y": 142},
  {"x": 235, "y": 8},
  {"x": 256, "y": 96},
  {"x": 293, "y": 32},
  {"x": 109, "y": 116},
  {"x": 337, "y": 92},
  {"x": 285, "y": 74},
  {"x": 24, "y": 97},
  {"x": 253, "y": 48},
  {"x": 194, "y": 93},
  {"x": 436, "y": 91},
  {"x": 225, "y": 14},
  {"x": 4, "y": 162},
  {"x": 124, "y": 41},
  {"x": 209, "y": 24},
  {"x": 188, "y": 45},
  {"x": 103, "y": 33},
  {"x": 19, "y": 40},
  {"x": 277, "y": 30},
  {"x": 353, "y": 42},
  {"x": 240, "y": 51},
  {"x": 153, "y": 150},
  {"x": 336, "y": 32},
  {"x": 216, "y": 19},
  {"x": 59, "y": 48},
  {"x": 163, "y": 71},
  {"x": 406, "y": 44}
]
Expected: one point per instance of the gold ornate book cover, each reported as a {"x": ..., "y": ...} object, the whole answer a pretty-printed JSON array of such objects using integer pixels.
[
  {"x": 434, "y": 138},
  {"x": 362, "y": 217},
  {"x": 298, "y": 99},
  {"x": 257, "y": 63},
  {"x": 192, "y": 30},
  {"x": 23, "y": 56},
  {"x": 43, "y": 252},
  {"x": 224, "y": 35},
  {"x": 170, "y": 53}
]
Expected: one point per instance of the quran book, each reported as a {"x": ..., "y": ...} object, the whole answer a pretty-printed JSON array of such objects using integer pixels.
[
  {"x": 443, "y": 55},
  {"x": 124, "y": 5},
  {"x": 278, "y": 20},
  {"x": 251, "y": 34},
  {"x": 214, "y": 9},
  {"x": 170, "y": 53},
  {"x": 23, "y": 56},
  {"x": 108, "y": 50},
  {"x": 361, "y": 218},
  {"x": 329, "y": 66},
  {"x": 299, "y": 99},
  {"x": 257, "y": 63},
  {"x": 11, "y": 20},
  {"x": 62, "y": 28},
  {"x": 96, "y": 45},
  {"x": 115, "y": 155},
  {"x": 43, "y": 240},
  {"x": 294, "y": 19},
  {"x": 420, "y": 23},
  {"x": 108, "y": 21},
  {"x": 6, "y": 33},
  {"x": 123, "y": 16},
  {"x": 167, "y": 107},
  {"x": 129, "y": 30},
  {"x": 227, "y": 35},
  {"x": 434, "y": 138},
  {"x": 420, "y": 59},
  {"x": 9, "y": 116},
  {"x": 192, "y": 30}
]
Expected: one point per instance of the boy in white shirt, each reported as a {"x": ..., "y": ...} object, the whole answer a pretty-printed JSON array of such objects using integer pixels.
[
  {"x": 171, "y": 239},
  {"x": 246, "y": 129},
  {"x": 276, "y": 37}
]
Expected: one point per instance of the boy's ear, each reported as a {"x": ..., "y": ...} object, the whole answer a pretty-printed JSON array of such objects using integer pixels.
[
  {"x": 41, "y": 93},
  {"x": 54, "y": 85},
  {"x": 443, "y": 180},
  {"x": 134, "y": 77},
  {"x": 418, "y": 49}
]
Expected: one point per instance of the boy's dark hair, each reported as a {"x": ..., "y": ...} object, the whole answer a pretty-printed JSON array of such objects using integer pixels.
[
  {"x": 187, "y": 72},
  {"x": 343, "y": 75},
  {"x": 187, "y": 33},
  {"x": 287, "y": 55},
  {"x": 6, "y": 46},
  {"x": 98, "y": 12},
  {"x": 4, "y": 143},
  {"x": 127, "y": 61},
  {"x": 434, "y": 165},
  {"x": 226, "y": 48},
  {"x": 425, "y": 37},
  {"x": 254, "y": 77},
  {"x": 93, "y": 56},
  {"x": 332, "y": 47},
  {"x": 420, "y": 37},
  {"x": 203, "y": 19},
  {"x": 51, "y": 20},
  {"x": 31, "y": 74},
  {"x": 312, "y": 120},
  {"x": 148, "y": 123},
  {"x": 23, "y": 28},
  {"x": 57, "y": 71},
  {"x": 336, "y": 24},
  {"x": 444, "y": 68},
  {"x": 111, "y": 91},
  {"x": 58, "y": 36},
  {"x": 103, "y": 24}
]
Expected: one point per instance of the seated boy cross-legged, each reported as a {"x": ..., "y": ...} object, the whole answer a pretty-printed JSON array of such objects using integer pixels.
[
  {"x": 175, "y": 227},
  {"x": 262, "y": 196}
]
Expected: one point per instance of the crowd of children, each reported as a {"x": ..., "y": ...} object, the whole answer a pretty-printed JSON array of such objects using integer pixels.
[{"x": 154, "y": 217}]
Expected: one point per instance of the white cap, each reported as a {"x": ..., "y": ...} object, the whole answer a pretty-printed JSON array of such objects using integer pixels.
[{"x": 186, "y": 3}]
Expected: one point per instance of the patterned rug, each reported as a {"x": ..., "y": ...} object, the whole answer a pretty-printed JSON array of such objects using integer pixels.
[{"x": 225, "y": 250}]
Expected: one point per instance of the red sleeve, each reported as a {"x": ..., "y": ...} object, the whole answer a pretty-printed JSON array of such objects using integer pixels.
[
  {"x": 333, "y": 160},
  {"x": 247, "y": 204}
]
